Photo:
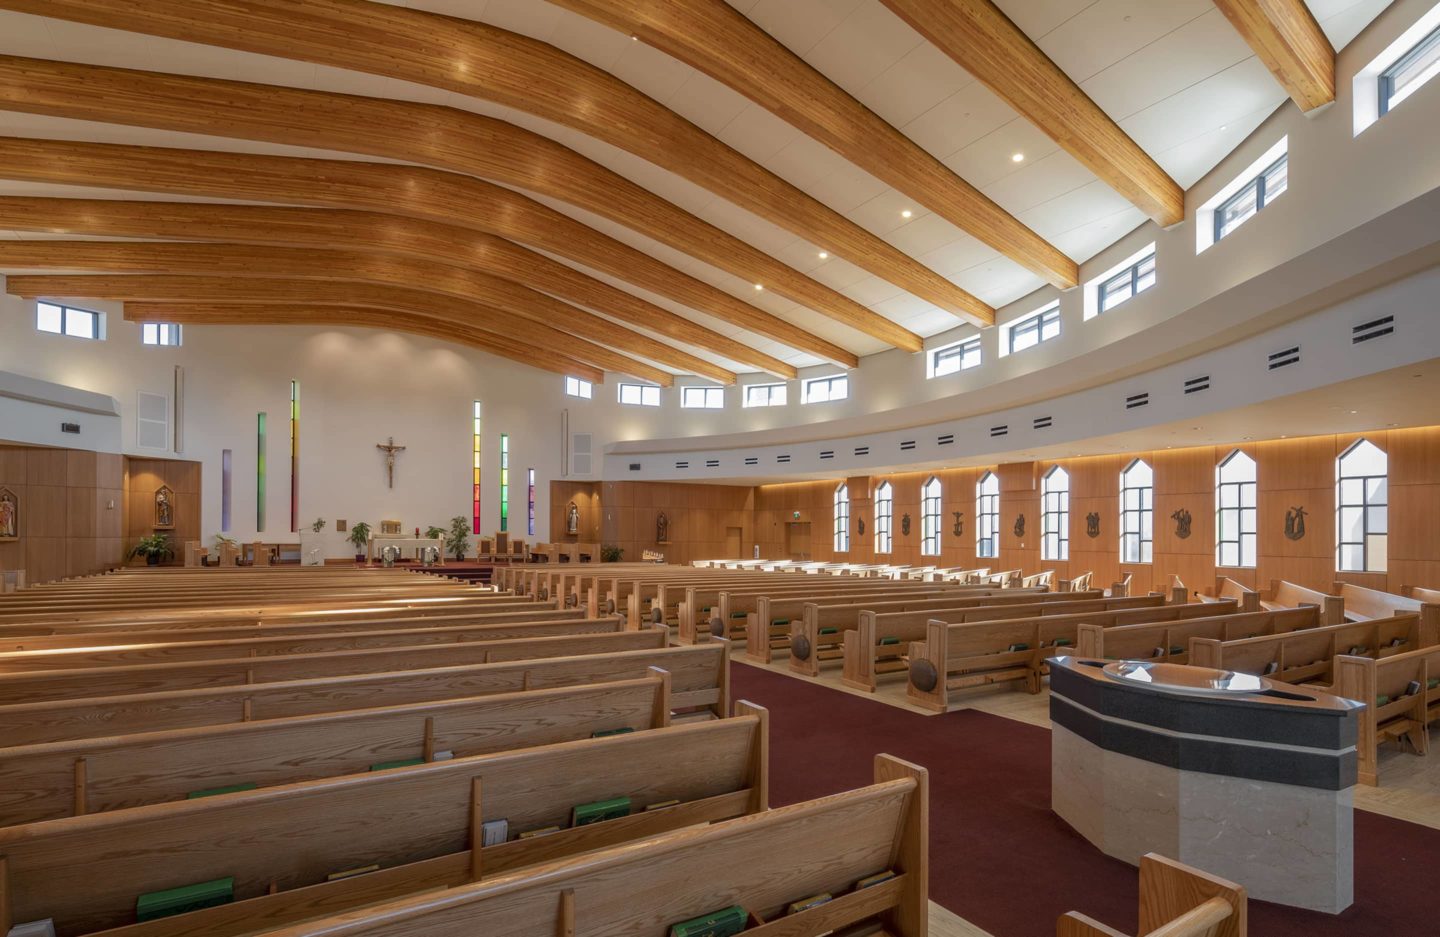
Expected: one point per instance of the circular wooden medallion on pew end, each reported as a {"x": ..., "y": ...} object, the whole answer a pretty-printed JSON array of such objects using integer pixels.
[
  {"x": 717, "y": 627},
  {"x": 609, "y": 606},
  {"x": 657, "y": 615},
  {"x": 800, "y": 647},
  {"x": 923, "y": 676}
]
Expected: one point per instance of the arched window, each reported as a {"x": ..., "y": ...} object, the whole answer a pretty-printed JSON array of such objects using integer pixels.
[
  {"x": 987, "y": 516},
  {"x": 1055, "y": 515},
  {"x": 884, "y": 516},
  {"x": 1137, "y": 513},
  {"x": 1235, "y": 511},
  {"x": 842, "y": 519},
  {"x": 1362, "y": 499},
  {"x": 930, "y": 518}
]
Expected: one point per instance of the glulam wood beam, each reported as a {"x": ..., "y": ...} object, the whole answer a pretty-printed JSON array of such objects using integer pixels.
[
  {"x": 462, "y": 141},
  {"x": 715, "y": 38},
  {"x": 406, "y": 191},
  {"x": 983, "y": 40},
  {"x": 420, "y": 276},
  {"x": 1287, "y": 38},
  {"x": 238, "y": 314},
  {"x": 370, "y": 232},
  {"x": 320, "y": 293}
]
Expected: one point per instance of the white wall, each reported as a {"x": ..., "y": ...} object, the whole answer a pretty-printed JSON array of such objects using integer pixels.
[{"x": 357, "y": 387}]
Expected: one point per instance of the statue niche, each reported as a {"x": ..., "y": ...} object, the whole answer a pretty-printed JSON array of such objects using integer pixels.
[
  {"x": 9, "y": 515},
  {"x": 662, "y": 528},
  {"x": 164, "y": 508}
]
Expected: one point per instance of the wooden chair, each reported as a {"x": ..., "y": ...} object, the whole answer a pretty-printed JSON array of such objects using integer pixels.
[{"x": 1175, "y": 901}]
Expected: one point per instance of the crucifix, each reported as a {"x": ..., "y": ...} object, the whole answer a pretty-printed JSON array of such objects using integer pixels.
[{"x": 390, "y": 449}]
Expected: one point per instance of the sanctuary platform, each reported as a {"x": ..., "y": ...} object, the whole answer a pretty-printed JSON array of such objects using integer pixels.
[{"x": 1248, "y": 779}]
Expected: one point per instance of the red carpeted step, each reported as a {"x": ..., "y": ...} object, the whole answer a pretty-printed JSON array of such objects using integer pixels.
[{"x": 1001, "y": 859}]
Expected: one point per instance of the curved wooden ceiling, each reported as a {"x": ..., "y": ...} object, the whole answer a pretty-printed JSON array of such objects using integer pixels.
[
  {"x": 373, "y": 232},
  {"x": 379, "y": 241},
  {"x": 408, "y": 191},
  {"x": 486, "y": 62},
  {"x": 441, "y": 137}
]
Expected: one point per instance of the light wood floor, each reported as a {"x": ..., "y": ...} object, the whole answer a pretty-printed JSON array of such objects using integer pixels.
[{"x": 1409, "y": 784}]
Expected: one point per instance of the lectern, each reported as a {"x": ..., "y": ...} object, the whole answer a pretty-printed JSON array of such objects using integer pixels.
[{"x": 1246, "y": 778}]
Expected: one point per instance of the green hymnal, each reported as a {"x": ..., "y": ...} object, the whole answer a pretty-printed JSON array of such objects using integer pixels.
[
  {"x": 786, "y": 621},
  {"x": 212, "y": 791},
  {"x": 1381, "y": 700},
  {"x": 829, "y": 630},
  {"x": 731, "y": 920},
  {"x": 1432, "y": 683},
  {"x": 1176, "y": 649},
  {"x": 605, "y": 733},
  {"x": 402, "y": 763},
  {"x": 737, "y": 614},
  {"x": 1063, "y": 642},
  {"x": 158, "y": 904},
  {"x": 875, "y": 879},
  {"x": 584, "y": 814},
  {"x": 890, "y": 639},
  {"x": 1018, "y": 647}
]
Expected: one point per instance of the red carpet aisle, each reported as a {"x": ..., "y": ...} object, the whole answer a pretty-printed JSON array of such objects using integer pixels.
[{"x": 1002, "y": 860}]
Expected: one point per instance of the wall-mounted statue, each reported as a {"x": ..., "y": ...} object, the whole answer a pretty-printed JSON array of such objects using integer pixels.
[
  {"x": 1182, "y": 523},
  {"x": 662, "y": 528},
  {"x": 860, "y": 526},
  {"x": 572, "y": 518},
  {"x": 1019, "y": 527},
  {"x": 1092, "y": 525},
  {"x": 164, "y": 508},
  {"x": 959, "y": 528},
  {"x": 9, "y": 515},
  {"x": 905, "y": 525},
  {"x": 1295, "y": 524}
]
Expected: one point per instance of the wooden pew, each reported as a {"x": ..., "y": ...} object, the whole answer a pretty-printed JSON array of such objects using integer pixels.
[
  {"x": 51, "y": 685},
  {"x": 1308, "y": 656},
  {"x": 1401, "y": 694},
  {"x": 1081, "y": 583},
  {"x": 836, "y": 613},
  {"x": 1168, "y": 639},
  {"x": 1284, "y": 594},
  {"x": 868, "y": 654},
  {"x": 1363, "y": 604},
  {"x": 422, "y": 825},
  {"x": 762, "y": 863},
  {"x": 1175, "y": 901},
  {"x": 1122, "y": 587},
  {"x": 120, "y": 635},
  {"x": 1044, "y": 579},
  {"x": 1226, "y": 588},
  {"x": 324, "y": 641},
  {"x": 76, "y": 778},
  {"x": 699, "y": 684},
  {"x": 1421, "y": 594}
]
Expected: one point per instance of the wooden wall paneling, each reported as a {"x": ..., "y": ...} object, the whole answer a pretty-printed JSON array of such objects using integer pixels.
[
  {"x": 466, "y": 142},
  {"x": 395, "y": 190},
  {"x": 143, "y": 478}
]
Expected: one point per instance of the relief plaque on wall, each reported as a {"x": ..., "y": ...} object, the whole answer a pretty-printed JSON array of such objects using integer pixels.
[
  {"x": 905, "y": 525},
  {"x": 1092, "y": 525},
  {"x": 1182, "y": 523},
  {"x": 1294, "y": 524},
  {"x": 164, "y": 508},
  {"x": 9, "y": 515}
]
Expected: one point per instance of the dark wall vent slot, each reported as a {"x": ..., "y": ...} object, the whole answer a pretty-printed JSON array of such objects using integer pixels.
[
  {"x": 680, "y": 465},
  {"x": 1196, "y": 384},
  {"x": 1000, "y": 430},
  {"x": 712, "y": 463},
  {"x": 752, "y": 460},
  {"x": 1042, "y": 422},
  {"x": 782, "y": 458},
  {"x": 827, "y": 453},
  {"x": 1283, "y": 359},
  {"x": 945, "y": 439},
  {"x": 1137, "y": 400},
  {"x": 1372, "y": 329},
  {"x": 862, "y": 450},
  {"x": 634, "y": 466},
  {"x": 907, "y": 445}
]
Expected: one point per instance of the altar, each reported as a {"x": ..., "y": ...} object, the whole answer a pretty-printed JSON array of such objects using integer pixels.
[{"x": 376, "y": 545}]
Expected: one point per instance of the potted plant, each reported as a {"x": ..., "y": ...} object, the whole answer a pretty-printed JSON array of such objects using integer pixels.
[
  {"x": 457, "y": 541},
  {"x": 610, "y": 553},
  {"x": 318, "y": 525},
  {"x": 154, "y": 548},
  {"x": 359, "y": 537},
  {"x": 432, "y": 532}
]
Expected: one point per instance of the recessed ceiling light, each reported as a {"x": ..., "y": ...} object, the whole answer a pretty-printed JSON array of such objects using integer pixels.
[
  {"x": 906, "y": 213},
  {"x": 824, "y": 256},
  {"x": 1017, "y": 157},
  {"x": 759, "y": 287},
  {"x": 634, "y": 38},
  {"x": 1224, "y": 126},
  {"x": 1354, "y": 411}
]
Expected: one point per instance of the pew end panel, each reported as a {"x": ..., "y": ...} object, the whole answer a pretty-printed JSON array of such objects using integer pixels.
[{"x": 926, "y": 684}]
